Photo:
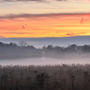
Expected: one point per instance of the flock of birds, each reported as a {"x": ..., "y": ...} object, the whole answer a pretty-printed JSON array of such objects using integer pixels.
[{"x": 82, "y": 20}]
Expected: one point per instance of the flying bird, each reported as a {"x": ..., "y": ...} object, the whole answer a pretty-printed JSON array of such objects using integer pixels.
[
  {"x": 81, "y": 20},
  {"x": 23, "y": 27}
]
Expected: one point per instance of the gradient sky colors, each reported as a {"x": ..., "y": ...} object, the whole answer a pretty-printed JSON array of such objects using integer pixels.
[{"x": 44, "y": 18}]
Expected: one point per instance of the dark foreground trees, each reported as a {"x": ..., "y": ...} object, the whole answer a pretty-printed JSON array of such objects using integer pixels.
[{"x": 75, "y": 77}]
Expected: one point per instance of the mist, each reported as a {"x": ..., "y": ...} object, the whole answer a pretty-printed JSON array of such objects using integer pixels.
[
  {"x": 47, "y": 61},
  {"x": 12, "y": 54}
]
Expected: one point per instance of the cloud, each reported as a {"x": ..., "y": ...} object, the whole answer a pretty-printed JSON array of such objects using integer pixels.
[
  {"x": 14, "y": 16},
  {"x": 30, "y": 0},
  {"x": 71, "y": 34},
  {"x": 2, "y": 36},
  {"x": 75, "y": 34},
  {"x": 61, "y": 0},
  {"x": 21, "y": 0},
  {"x": 13, "y": 32}
]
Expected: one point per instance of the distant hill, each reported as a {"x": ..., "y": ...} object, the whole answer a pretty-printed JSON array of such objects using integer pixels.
[
  {"x": 13, "y": 51},
  {"x": 59, "y": 41}
]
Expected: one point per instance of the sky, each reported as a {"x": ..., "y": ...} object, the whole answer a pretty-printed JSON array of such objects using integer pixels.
[{"x": 44, "y": 18}]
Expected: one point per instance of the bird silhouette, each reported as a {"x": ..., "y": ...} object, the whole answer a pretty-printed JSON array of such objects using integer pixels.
[
  {"x": 23, "y": 27},
  {"x": 81, "y": 20}
]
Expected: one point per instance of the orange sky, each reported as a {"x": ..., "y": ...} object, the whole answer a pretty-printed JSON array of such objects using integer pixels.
[
  {"x": 46, "y": 26},
  {"x": 44, "y": 18}
]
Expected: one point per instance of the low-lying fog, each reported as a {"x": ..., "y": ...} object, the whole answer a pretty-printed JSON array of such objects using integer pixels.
[{"x": 45, "y": 61}]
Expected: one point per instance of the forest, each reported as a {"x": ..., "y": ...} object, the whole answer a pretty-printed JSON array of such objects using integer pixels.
[
  {"x": 11, "y": 50},
  {"x": 58, "y": 77}
]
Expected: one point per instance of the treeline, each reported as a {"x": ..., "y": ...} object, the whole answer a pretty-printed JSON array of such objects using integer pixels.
[
  {"x": 9, "y": 51},
  {"x": 64, "y": 77}
]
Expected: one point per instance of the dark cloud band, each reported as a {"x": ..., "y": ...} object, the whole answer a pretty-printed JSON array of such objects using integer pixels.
[
  {"x": 13, "y": 16},
  {"x": 29, "y": 0},
  {"x": 22, "y": 0}
]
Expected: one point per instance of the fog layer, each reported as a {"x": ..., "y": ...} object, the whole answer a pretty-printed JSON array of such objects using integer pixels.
[
  {"x": 12, "y": 54},
  {"x": 45, "y": 61}
]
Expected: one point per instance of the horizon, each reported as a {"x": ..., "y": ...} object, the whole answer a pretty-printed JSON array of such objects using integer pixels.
[
  {"x": 44, "y": 44},
  {"x": 55, "y": 41},
  {"x": 43, "y": 37}
]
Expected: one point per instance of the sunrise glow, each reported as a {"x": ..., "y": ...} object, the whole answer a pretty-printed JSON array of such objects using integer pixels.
[{"x": 52, "y": 20}]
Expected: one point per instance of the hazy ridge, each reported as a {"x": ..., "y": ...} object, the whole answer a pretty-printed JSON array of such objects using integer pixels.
[
  {"x": 13, "y": 51},
  {"x": 55, "y": 41}
]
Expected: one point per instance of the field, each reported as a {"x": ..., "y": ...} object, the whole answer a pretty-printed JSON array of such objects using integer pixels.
[{"x": 58, "y": 77}]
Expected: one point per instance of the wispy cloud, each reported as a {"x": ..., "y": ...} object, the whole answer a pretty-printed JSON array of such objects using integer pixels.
[
  {"x": 76, "y": 34},
  {"x": 1, "y": 36},
  {"x": 29, "y": 0},
  {"x": 22, "y": 0},
  {"x": 13, "y": 16}
]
